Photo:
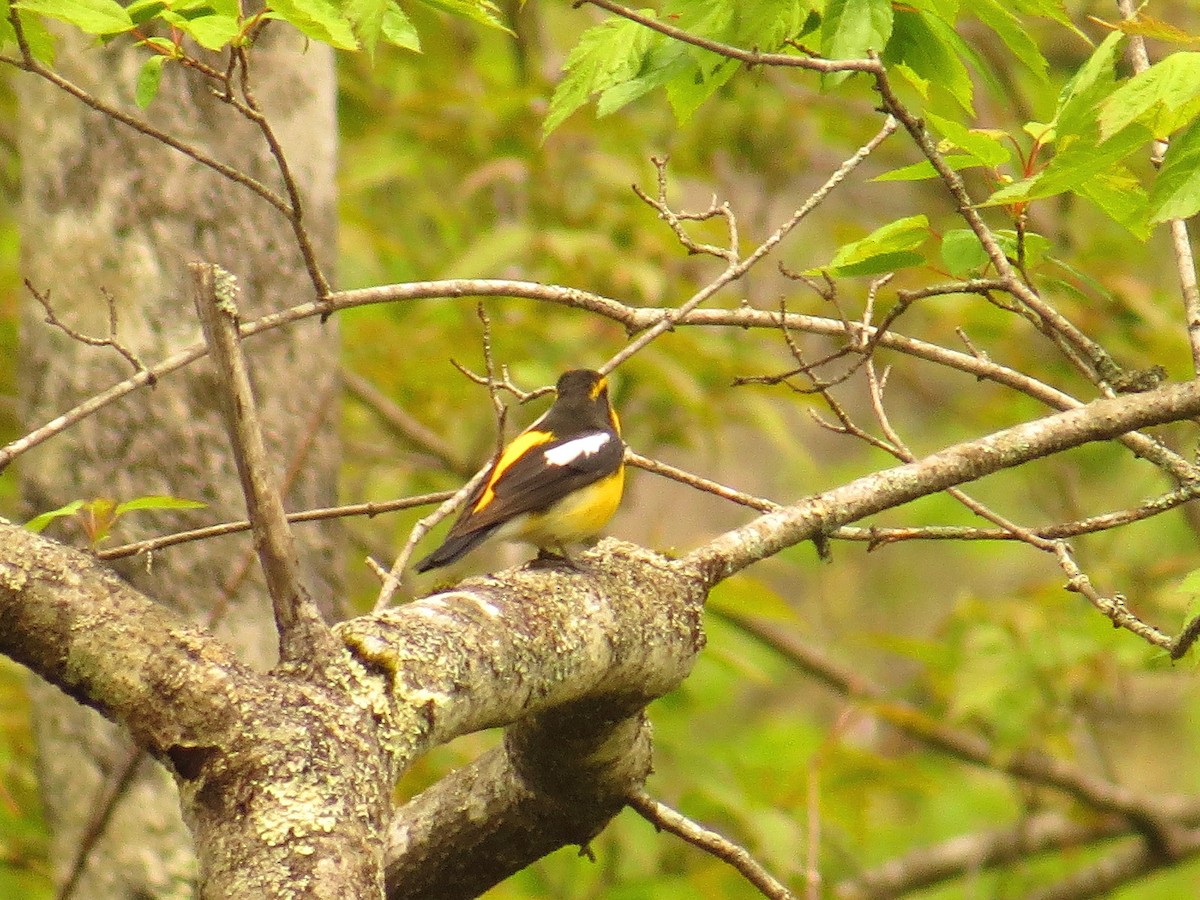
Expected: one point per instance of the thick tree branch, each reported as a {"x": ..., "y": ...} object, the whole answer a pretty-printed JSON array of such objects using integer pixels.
[
  {"x": 968, "y": 461},
  {"x": 558, "y": 779}
]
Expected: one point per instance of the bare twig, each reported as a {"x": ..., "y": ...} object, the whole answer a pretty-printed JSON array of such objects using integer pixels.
[
  {"x": 110, "y": 341},
  {"x": 634, "y": 319},
  {"x": 304, "y": 639},
  {"x": 391, "y": 581},
  {"x": 737, "y": 266},
  {"x": 295, "y": 211},
  {"x": 29, "y": 63},
  {"x": 370, "y": 510},
  {"x": 657, "y": 467},
  {"x": 664, "y": 818}
]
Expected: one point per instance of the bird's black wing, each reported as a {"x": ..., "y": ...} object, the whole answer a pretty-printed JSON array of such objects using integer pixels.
[{"x": 541, "y": 476}]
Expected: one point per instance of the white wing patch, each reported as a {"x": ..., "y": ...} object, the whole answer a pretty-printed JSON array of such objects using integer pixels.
[{"x": 565, "y": 454}]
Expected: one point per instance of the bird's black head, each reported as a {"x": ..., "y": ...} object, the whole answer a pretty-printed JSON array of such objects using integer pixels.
[
  {"x": 583, "y": 401},
  {"x": 582, "y": 385}
]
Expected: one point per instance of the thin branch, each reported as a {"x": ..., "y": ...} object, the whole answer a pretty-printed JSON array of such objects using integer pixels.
[
  {"x": 295, "y": 212},
  {"x": 1143, "y": 811},
  {"x": 737, "y": 269},
  {"x": 663, "y": 818},
  {"x": 878, "y": 536},
  {"x": 924, "y": 867},
  {"x": 750, "y": 57},
  {"x": 1092, "y": 360},
  {"x": 1181, "y": 242},
  {"x": 304, "y": 639},
  {"x": 111, "y": 791},
  {"x": 965, "y": 461},
  {"x": 111, "y": 340},
  {"x": 29, "y": 63},
  {"x": 657, "y": 467},
  {"x": 391, "y": 581},
  {"x": 370, "y": 510},
  {"x": 633, "y": 319},
  {"x": 1125, "y": 865}
]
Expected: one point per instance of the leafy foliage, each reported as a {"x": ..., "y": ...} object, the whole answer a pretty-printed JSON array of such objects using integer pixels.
[{"x": 469, "y": 160}]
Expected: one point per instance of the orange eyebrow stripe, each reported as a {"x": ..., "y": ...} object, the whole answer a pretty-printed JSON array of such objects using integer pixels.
[{"x": 521, "y": 445}]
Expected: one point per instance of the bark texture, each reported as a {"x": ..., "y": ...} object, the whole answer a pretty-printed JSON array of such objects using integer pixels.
[
  {"x": 286, "y": 782},
  {"x": 105, "y": 208}
]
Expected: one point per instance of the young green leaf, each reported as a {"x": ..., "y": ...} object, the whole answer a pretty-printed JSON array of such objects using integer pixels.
[
  {"x": 157, "y": 501},
  {"x": 606, "y": 56},
  {"x": 319, "y": 20},
  {"x": 924, "y": 46},
  {"x": 399, "y": 30},
  {"x": 149, "y": 79},
  {"x": 962, "y": 253},
  {"x": 89, "y": 16},
  {"x": 850, "y": 28},
  {"x": 986, "y": 146},
  {"x": 1013, "y": 32},
  {"x": 924, "y": 169},
  {"x": 211, "y": 32},
  {"x": 39, "y": 522},
  {"x": 891, "y": 247},
  {"x": 1164, "y": 98},
  {"x": 482, "y": 11},
  {"x": 1175, "y": 193}
]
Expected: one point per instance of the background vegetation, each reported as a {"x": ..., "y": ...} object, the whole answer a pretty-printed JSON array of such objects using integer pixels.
[{"x": 447, "y": 172}]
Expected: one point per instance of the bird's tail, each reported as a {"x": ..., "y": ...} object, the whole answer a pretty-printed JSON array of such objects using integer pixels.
[{"x": 455, "y": 548}]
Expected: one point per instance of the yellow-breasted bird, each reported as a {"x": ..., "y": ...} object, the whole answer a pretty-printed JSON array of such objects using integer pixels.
[{"x": 558, "y": 482}]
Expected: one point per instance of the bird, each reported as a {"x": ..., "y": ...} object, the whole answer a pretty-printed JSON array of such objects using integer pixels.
[{"x": 558, "y": 482}]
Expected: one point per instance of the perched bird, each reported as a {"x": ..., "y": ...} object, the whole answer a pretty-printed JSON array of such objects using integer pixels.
[{"x": 558, "y": 482}]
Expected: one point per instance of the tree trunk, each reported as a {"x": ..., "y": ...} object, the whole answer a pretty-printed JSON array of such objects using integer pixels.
[{"x": 106, "y": 209}]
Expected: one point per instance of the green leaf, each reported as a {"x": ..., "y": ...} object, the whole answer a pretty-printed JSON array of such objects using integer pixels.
[
  {"x": 986, "y": 146},
  {"x": 850, "y": 28},
  {"x": 766, "y": 24},
  {"x": 1122, "y": 197},
  {"x": 38, "y": 523},
  {"x": 149, "y": 79},
  {"x": 1013, "y": 32},
  {"x": 1092, "y": 82},
  {"x": 686, "y": 94},
  {"x": 212, "y": 32},
  {"x": 1071, "y": 169},
  {"x": 924, "y": 169},
  {"x": 155, "y": 501},
  {"x": 962, "y": 253},
  {"x": 1175, "y": 193},
  {"x": 39, "y": 38},
  {"x": 607, "y": 55},
  {"x": 1164, "y": 98},
  {"x": 885, "y": 249},
  {"x": 317, "y": 19},
  {"x": 923, "y": 45},
  {"x": 481, "y": 11},
  {"x": 399, "y": 30},
  {"x": 142, "y": 11},
  {"x": 89, "y": 16}
]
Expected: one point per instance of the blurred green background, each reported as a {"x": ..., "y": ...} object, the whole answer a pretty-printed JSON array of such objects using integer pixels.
[{"x": 445, "y": 174}]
